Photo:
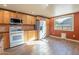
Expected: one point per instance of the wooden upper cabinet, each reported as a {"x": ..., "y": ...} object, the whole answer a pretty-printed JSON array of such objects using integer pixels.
[
  {"x": 6, "y": 17},
  {"x": 1, "y": 16},
  {"x": 19, "y": 15},
  {"x": 33, "y": 20},
  {"x": 28, "y": 19},
  {"x": 15, "y": 15},
  {"x": 24, "y": 18},
  {"x": 12, "y": 14}
]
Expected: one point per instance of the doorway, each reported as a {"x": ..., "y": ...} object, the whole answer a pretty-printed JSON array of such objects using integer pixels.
[{"x": 42, "y": 33}]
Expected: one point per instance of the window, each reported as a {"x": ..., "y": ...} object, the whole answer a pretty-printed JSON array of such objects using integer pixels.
[{"x": 65, "y": 23}]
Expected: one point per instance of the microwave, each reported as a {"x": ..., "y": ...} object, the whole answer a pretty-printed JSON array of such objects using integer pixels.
[{"x": 15, "y": 21}]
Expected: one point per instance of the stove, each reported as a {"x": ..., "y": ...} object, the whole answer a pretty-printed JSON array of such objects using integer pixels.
[{"x": 16, "y": 36}]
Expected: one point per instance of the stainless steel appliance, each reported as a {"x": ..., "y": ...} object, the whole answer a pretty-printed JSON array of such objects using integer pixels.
[{"x": 16, "y": 36}]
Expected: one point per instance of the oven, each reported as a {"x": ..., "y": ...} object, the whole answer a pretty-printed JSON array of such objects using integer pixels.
[{"x": 16, "y": 36}]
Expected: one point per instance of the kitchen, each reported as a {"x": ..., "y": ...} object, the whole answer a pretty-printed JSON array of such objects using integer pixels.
[
  {"x": 39, "y": 29},
  {"x": 17, "y": 25}
]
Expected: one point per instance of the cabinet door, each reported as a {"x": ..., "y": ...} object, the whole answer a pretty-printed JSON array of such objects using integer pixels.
[
  {"x": 12, "y": 14},
  {"x": 36, "y": 35},
  {"x": 6, "y": 40},
  {"x": 1, "y": 16},
  {"x": 29, "y": 35},
  {"x": 6, "y": 15},
  {"x": 19, "y": 15},
  {"x": 24, "y": 18},
  {"x": 32, "y": 35},
  {"x": 25, "y": 36},
  {"x": 33, "y": 20},
  {"x": 29, "y": 19}
]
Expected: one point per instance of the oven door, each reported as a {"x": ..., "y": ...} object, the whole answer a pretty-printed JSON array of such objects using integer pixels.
[{"x": 16, "y": 38}]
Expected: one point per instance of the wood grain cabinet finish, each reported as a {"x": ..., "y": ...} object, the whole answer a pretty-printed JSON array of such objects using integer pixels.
[
  {"x": 6, "y": 41},
  {"x": 18, "y": 15},
  {"x": 24, "y": 18},
  {"x": 31, "y": 35},
  {"x": 33, "y": 20},
  {"x": 36, "y": 35},
  {"x": 25, "y": 36},
  {"x": 6, "y": 16},
  {"x": 29, "y": 19},
  {"x": 6, "y": 29},
  {"x": 12, "y": 14},
  {"x": 1, "y": 16}
]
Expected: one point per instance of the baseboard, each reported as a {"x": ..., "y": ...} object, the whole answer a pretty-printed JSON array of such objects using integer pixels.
[{"x": 65, "y": 38}]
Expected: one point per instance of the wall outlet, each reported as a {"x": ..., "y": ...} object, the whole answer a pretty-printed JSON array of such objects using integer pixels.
[{"x": 63, "y": 35}]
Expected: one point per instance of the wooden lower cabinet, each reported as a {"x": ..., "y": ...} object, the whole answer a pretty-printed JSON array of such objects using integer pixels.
[
  {"x": 30, "y": 35},
  {"x": 36, "y": 35},
  {"x": 25, "y": 36},
  {"x": 6, "y": 41}
]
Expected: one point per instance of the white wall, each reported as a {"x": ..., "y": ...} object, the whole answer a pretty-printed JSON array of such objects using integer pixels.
[{"x": 60, "y": 9}]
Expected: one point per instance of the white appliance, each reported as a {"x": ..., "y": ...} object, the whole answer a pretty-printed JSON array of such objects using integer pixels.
[{"x": 16, "y": 36}]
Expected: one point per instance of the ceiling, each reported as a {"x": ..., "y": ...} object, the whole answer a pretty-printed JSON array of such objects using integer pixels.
[
  {"x": 35, "y": 9},
  {"x": 41, "y": 9}
]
